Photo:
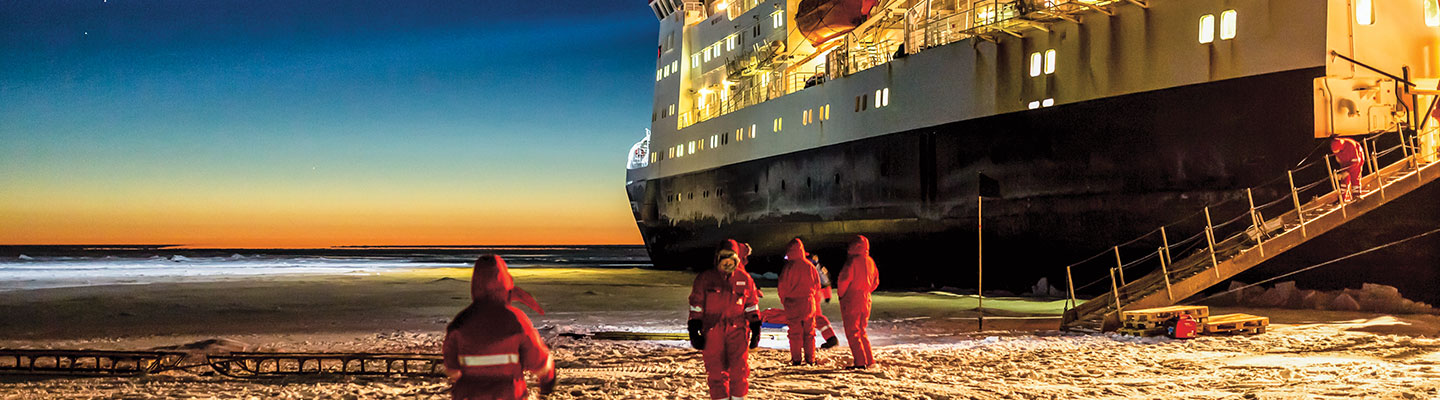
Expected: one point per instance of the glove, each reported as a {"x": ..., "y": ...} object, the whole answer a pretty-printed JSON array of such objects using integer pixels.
[
  {"x": 697, "y": 338},
  {"x": 547, "y": 383},
  {"x": 754, "y": 334}
]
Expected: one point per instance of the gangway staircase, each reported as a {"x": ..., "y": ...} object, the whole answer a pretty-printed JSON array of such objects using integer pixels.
[{"x": 1221, "y": 251}]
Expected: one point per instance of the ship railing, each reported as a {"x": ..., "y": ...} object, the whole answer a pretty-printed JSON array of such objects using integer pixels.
[
  {"x": 955, "y": 20},
  {"x": 1232, "y": 222}
]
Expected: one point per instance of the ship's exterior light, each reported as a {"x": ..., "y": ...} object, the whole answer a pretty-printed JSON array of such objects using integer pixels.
[
  {"x": 1035, "y": 62},
  {"x": 1047, "y": 103},
  {"x": 1034, "y": 105}
]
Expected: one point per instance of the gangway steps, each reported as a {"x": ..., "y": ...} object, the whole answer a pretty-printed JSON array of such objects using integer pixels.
[{"x": 1265, "y": 238}]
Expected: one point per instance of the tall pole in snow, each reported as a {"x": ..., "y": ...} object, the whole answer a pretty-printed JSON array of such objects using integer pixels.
[{"x": 980, "y": 252}]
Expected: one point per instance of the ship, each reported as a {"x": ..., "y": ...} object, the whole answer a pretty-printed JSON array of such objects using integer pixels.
[{"x": 1021, "y": 135}]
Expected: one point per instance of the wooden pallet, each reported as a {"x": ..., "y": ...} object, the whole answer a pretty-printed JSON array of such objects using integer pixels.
[
  {"x": 1152, "y": 318},
  {"x": 1236, "y": 324}
]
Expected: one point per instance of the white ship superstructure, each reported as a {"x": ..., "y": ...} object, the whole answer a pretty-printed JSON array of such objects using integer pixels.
[{"x": 823, "y": 119}]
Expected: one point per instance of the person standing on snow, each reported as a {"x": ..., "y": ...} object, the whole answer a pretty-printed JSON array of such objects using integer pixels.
[
  {"x": 722, "y": 302},
  {"x": 857, "y": 280},
  {"x": 1352, "y": 160},
  {"x": 742, "y": 250},
  {"x": 800, "y": 294},
  {"x": 490, "y": 344}
]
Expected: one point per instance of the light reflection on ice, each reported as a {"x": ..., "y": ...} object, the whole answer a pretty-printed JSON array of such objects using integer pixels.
[{"x": 50, "y": 272}]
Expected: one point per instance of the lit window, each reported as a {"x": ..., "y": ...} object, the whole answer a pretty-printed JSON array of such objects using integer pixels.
[
  {"x": 730, "y": 43},
  {"x": 877, "y": 98},
  {"x": 777, "y": 19},
  {"x": 1365, "y": 12},
  {"x": 1227, "y": 25},
  {"x": 1207, "y": 29},
  {"x": 695, "y": 60},
  {"x": 716, "y": 50},
  {"x": 1047, "y": 103},
  {"x": 1034, "y": 105},
  {"x": 1432, "y": 12},
  {"x": 700, "y": 145},
  {"x": 707, "y": 54},
  {"x": 659, "y": 74},
  {"x": 672, "y": 109},
  {"x": 1049, "y": 61},
  {"x": 1035, "y": 64},
  {"x": 886, "y": 95},
  {"x": 825, "y": 112},
  {"x": 752, "y": 130},
  {"x": 675, "y": 66},
  {"x": 775, "y": 125},
  {"x": 779, "y": 124},
  {"x": 692, "y": 147}
]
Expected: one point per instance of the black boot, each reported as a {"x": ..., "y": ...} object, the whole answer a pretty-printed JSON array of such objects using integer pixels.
[{"x": 830, "y": 342}]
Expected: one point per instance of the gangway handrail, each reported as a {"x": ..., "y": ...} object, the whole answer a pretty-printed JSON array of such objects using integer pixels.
[{"x": 1228, "y": 243}]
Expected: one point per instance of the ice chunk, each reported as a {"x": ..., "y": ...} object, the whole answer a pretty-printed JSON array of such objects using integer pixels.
[
  {"x": 771, "y": 276},
  {"x": 179, "y": 258},
  {"x": 1344, "y": 302},
  {"x": 26, "y": 258}
]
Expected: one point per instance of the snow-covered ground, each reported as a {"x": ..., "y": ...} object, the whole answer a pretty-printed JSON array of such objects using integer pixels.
[
  {"x": 1349, "y": 359},
  {"x": 925, "y": 344}
]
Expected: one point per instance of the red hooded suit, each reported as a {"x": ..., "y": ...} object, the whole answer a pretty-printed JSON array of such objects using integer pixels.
[
  {"x": 491, "y": 343},
  {"x": 800, "y": 294},
  {"x": 725, "y": 303},
  {"x": 857, "y": 280},
  {"x": 1352, "y": 158}
]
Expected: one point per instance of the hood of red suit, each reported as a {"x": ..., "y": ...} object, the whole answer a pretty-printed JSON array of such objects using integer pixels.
[
  {"x": 795, "y": 251},
  {"x": 860, "y": 246},
  {"x": 491, "y": 280}
]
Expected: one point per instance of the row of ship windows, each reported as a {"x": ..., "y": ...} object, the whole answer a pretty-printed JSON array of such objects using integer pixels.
[
  {"x": 663, "y": 113},
  {"x": 1227, "y": 26},
  {"x": 1365, "y": 12},
  {"x": 668, "y": 69},
  {"x": 807, "y": 117},
  {"x": 777, "y": 20},
  {"x": 720, "y": 192}
]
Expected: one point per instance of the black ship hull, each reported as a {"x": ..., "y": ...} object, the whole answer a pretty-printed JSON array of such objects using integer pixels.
[{"x": 1075, "y": 180}]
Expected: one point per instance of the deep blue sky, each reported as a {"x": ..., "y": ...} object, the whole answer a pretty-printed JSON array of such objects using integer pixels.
[{"x": 322, "y": 122}]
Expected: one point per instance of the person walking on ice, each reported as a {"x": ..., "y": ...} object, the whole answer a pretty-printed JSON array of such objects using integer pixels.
[
  {"x": 490, "y": 344},
  {"x": 722, "y": 304},
  {"x": 857, "y": 280}
]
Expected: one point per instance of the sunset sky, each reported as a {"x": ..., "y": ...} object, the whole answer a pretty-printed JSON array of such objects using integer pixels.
[{"x": 321, "y": 122}]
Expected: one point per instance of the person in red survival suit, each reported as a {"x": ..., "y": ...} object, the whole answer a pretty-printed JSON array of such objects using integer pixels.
[
  {"x": 800, "y": 294},
  {"x": 857, "y": 280},
  {"x": 777, "y": 316},
  {"x": 1352, "y": 160},
  {"x": 490, "y": 344},
  {"x": 722, "y": 302}
]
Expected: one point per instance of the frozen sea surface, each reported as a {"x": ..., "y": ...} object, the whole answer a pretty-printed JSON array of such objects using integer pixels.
[{"x": 76, "y": 266}]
